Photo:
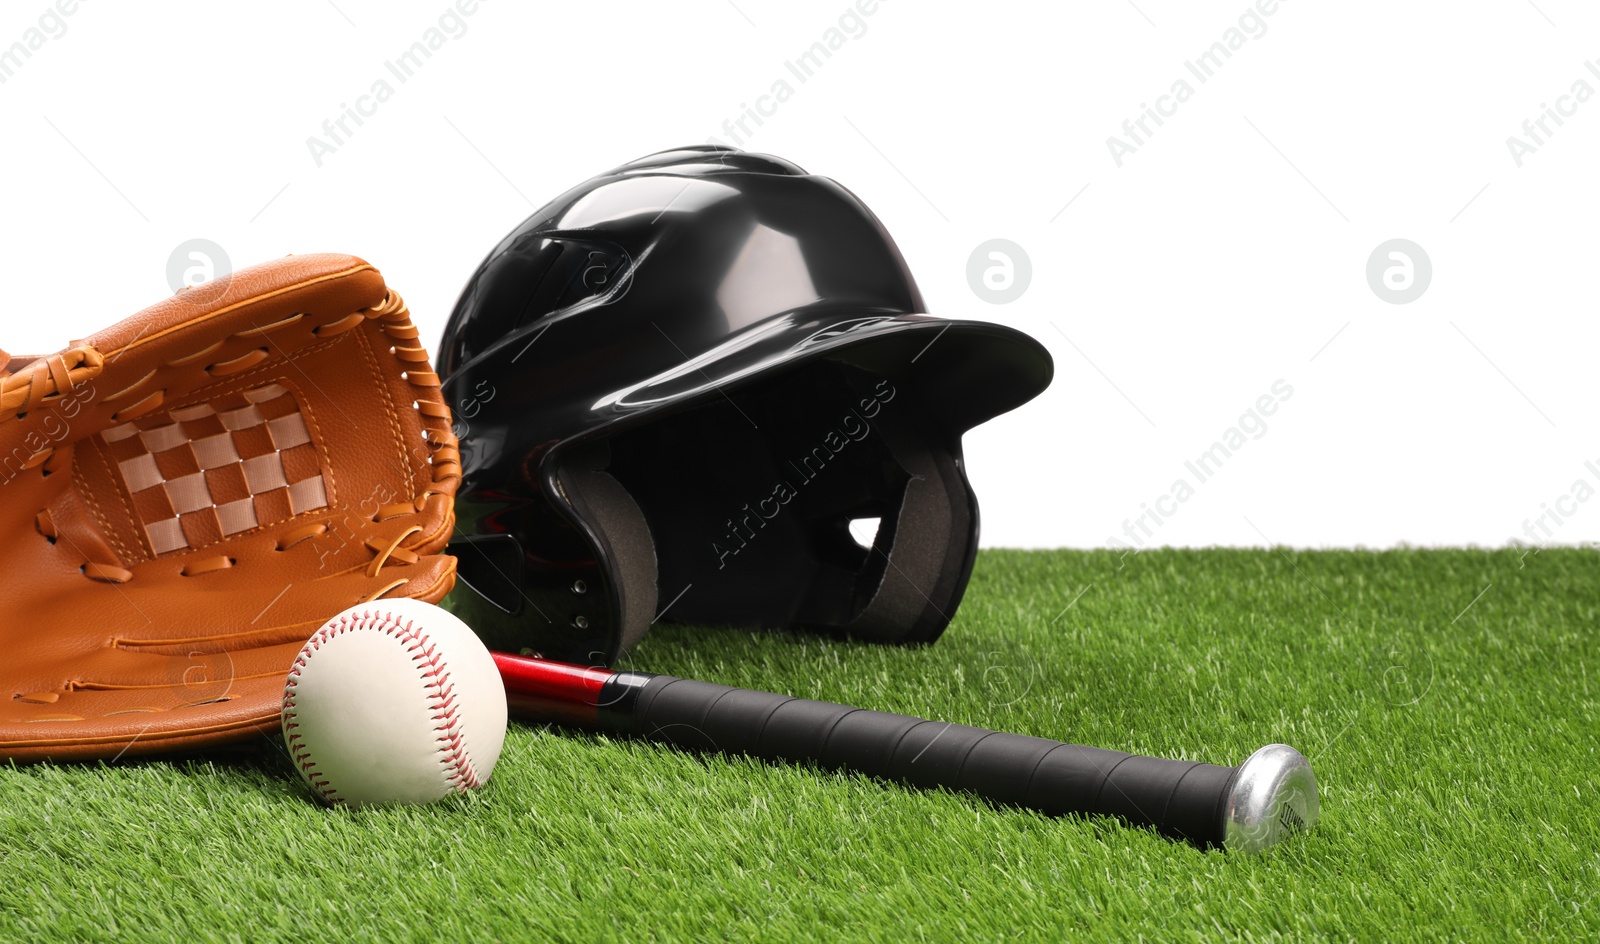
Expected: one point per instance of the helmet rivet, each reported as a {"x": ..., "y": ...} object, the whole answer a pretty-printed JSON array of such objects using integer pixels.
[
  {"x": 581, "y": 622},
  {"x": 579, "y": 587}
]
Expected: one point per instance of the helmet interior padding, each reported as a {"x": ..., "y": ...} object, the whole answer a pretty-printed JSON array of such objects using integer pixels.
[
  {"x": 623, "y": 536},
  {"x": 750, "y": 497}
]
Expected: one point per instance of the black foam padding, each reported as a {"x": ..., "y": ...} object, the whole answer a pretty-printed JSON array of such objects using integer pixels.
[
  {"x": 750, "y": 496},
  {"x": 625, "y": 537},
  {"x": 928, "y": 546},
  {"x": 1181, "y": 799}
]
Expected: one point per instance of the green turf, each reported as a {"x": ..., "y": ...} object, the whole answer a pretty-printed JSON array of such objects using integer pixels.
[{"x": 1455, "y": 743}]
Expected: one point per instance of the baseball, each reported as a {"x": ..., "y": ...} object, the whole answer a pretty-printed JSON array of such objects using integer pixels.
[{"x": 394, "y": 701}]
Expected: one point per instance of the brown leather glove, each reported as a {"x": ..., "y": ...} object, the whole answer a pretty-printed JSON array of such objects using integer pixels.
[{"x": 186, "y": 496}]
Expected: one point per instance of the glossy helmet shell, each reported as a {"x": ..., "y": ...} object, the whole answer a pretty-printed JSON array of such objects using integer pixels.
[{"x": 677, "y": 384}]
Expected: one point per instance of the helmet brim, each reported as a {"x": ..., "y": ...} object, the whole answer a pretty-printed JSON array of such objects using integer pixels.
[{"x": 961, "y": 373}]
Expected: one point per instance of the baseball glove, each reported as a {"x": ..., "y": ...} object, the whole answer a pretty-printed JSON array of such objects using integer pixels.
[{"x": 186, "y": 496}]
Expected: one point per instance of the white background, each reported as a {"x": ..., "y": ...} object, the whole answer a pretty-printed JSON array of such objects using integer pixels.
[{"x": 1228, "y": 252}]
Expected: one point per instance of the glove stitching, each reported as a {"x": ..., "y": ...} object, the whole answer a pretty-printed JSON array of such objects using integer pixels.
[
  {"x": 22, "y": 392},
  {"x": 93, "y": 502},
  {"x": 444, "y": 458},
  {"x": 232, "y": 384},
  {"x": 38, "y": 382},
  {"x": 407, "y": 462}
]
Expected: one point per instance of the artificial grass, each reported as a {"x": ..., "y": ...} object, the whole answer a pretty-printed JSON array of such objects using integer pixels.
[{"x": 1455, "y": 743}]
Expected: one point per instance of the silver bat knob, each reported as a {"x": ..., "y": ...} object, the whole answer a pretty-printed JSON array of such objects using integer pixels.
[{"x": 1272, "y": 796}]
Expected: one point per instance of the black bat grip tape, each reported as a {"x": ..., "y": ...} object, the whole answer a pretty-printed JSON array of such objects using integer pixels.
[{"x": 1180, "y": 799}]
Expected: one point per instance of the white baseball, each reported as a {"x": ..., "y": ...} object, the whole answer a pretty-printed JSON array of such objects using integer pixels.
[{"x": 394, "y": 701}]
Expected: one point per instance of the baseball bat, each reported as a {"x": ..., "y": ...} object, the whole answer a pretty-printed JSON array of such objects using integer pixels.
[{"x": 1247, "y": 808}]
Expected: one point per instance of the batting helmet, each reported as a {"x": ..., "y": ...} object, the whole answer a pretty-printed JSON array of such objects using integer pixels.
[{"x": 678, "y": 384}]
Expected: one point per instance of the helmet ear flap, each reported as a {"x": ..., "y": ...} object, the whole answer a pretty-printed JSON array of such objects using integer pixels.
[
  {"x": 927, "y": 549},
  {"x": 591, "y": 603},
  {"x": 621, "y": 537},
  {"x": 787, "y": 559}
]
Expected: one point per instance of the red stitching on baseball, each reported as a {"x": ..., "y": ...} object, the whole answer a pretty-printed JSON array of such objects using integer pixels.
[{"x": 455, "y": 758}]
